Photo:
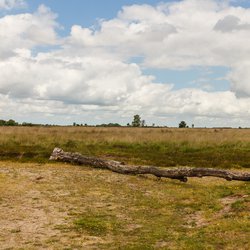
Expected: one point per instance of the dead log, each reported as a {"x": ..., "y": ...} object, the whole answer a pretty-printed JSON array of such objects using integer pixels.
[{"x": 181, "y": 173}]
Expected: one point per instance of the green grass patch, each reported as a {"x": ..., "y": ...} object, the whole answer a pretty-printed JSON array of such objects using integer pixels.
[{"x": 95, "y": 224}]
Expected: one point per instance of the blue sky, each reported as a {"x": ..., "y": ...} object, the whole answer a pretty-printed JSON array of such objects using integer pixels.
[
  {"x": 84, "y": 12},
  {"x": 87, "y": 13},
  {"x": 185, "y": 60},
  {"x": 207, "y": 78}
]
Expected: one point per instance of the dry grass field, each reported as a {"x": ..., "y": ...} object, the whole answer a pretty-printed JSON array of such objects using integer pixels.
[
  {"x": 224, "y": 148},
  {"x": 58, "y": 206}
]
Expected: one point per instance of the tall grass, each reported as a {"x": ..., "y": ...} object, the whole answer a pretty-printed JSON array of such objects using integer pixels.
[{"x": 227, "y": 148}]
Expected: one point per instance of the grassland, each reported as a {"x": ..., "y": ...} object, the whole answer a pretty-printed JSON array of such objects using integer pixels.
[
  {"x": 224, "y": 148},
  {"x": 58, "y": 206}
]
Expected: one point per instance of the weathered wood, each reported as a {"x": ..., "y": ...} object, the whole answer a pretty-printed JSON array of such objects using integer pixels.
[{"x": 181, "y": 173}]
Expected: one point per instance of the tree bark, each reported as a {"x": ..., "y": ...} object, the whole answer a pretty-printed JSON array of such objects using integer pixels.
[{"x": 181, "y": 173}]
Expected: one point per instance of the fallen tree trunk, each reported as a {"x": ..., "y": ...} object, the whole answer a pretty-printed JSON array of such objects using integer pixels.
[{"x": 181, "y": 173}]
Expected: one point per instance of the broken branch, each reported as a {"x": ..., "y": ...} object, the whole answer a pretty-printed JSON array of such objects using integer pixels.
[{"x": 181, "y": 173}]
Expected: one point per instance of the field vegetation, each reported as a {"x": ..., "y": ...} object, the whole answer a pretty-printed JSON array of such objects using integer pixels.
[
  {"x": 224, "y": 148},
  {"x": 58, "y": 206}
]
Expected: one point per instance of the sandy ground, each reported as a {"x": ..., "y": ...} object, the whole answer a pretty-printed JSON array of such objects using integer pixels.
[
  {"x": 39, "y": 203},
  {"x": 36, "y": 202}
]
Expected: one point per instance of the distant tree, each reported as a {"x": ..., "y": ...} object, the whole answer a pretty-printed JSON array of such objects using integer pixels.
[
  {"x": 109, "y": 125},
  {"x": 74, "y": 124},
  {"x": 112, "y": 125},
  {"x": 143, "y": 123},
  {"x": 28, "y": 124},
  {"x": 192, "y": 125},
  {"x": 11, "y": 123},
  {"x": 137, "y": 121},
  {"x": 2, "y": 123},
  {"x": 183, "y": 124},
  {"x": 128, "y": 124}
]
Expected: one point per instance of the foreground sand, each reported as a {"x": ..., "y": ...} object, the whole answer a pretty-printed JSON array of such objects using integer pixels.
[{"x": 58, "y": 206}]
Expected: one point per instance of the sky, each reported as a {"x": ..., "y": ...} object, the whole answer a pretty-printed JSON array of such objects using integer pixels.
[{"x": 105, "y": 61}]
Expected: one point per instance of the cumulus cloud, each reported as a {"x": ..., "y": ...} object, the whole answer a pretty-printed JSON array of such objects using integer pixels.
[
  {"x": 240, "y": 79},
  {"x": 176, "y": 35},
  {"x": 26, "y": 31},
  {"x": 11, "y": 4},
  {"x": 230, "y": 23},
  {"x": 167, "y": 37},
  {"x": 93, "y": 81},
  {"x": 92, "y": 74}
]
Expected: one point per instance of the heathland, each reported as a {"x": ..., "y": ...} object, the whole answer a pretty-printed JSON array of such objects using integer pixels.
[{"x": 47, "y": 205}]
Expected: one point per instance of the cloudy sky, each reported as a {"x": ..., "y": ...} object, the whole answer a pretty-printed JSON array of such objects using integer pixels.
[{"x": 104, "y": 61}]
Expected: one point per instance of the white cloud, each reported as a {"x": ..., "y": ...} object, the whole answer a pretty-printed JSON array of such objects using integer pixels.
[
  {"x": 11, "y": 4},
  {"x": 25, "y": 31},
  {"x": 230, "y": 23},
  {"x": 91, "y": 75},
  {"x": 240, "y": 79},
  {"x": 89, "y": 80},
  {"x": 174, "y": 35}
]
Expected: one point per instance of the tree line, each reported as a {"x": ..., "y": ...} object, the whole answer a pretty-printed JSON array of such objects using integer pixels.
[
  {"x": 136, "y": 122},
  {"x": 12, "y": 122}
]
